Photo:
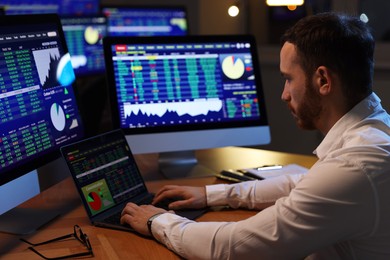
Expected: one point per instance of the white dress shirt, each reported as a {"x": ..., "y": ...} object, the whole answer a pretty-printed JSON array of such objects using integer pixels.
[{"x": 340, "y": 209}]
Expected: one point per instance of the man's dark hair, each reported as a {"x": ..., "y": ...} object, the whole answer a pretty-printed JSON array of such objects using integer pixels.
[{"x": 342, "y": 43}]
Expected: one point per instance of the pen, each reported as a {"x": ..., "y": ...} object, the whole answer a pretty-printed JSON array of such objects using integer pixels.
[
  {"x": 236, "y": 175},
  {"x": 223, "y": 177},
  {"x": 249, "y": 174},
  {"x": 269, "y": 167},
  {"x": 260, "y": 168}
]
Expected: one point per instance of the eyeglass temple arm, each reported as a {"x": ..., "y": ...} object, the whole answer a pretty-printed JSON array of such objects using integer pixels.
[
  {"x": 48, "y": 241},
  {"x": 62, "y": 257}
]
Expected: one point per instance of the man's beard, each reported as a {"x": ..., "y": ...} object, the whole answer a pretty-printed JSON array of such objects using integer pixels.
[{"x": 308, "y": 112}]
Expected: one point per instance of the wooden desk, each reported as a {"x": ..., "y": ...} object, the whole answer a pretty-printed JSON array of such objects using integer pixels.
[{"x": 112, "y": 244}]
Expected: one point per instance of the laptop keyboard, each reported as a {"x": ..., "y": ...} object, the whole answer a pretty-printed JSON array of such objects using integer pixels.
[{"x": 115, "y": 218}]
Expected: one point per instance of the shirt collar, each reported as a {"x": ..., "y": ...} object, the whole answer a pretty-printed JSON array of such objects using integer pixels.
[{"x": 334, "y": 137}]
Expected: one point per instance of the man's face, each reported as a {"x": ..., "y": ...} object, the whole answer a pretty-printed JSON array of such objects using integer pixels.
[{"x": 299, "y": 92}]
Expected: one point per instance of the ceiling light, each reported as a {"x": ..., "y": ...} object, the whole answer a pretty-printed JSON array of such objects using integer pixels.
[
  {"x": 233, "y": 10},
  {"x": 284, "y": 2}
]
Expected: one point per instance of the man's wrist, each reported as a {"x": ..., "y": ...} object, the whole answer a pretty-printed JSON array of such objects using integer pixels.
[{"x": 150, "y": 221}]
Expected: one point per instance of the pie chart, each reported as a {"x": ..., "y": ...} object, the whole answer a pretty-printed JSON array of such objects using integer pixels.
[
  {"x": 233, "y": 67},
  {"x": 94, "y": 201},
  {"x": 91, "y": 35},
  {"x": 57, "y": 116}
]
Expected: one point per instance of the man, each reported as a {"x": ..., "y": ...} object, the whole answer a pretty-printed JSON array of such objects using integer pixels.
[{"x": 340, "y": 209}]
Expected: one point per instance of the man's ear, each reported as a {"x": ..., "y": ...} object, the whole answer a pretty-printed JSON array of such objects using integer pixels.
[{"x": 323, "y": 80}]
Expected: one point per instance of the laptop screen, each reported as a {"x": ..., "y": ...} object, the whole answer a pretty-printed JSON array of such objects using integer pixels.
[{"x": 104, "y": 171}]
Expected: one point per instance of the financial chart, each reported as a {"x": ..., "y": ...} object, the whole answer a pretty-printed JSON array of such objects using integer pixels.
[
  {"x": 84, "y": 40},
  {"x": 160, "y": 84},
  {"x": 106, "y": 173},
  {"x": 153, "y": 21},
  {"x": 35, "y": 95},
  {"x": 64, "y": 7}
]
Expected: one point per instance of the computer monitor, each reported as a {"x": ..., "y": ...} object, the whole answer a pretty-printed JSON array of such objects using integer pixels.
[
  {"x": 84, "y": 37},
  {"x": 175, "y": 94},
  {"x": 64, "y": 7},
  {"x": 146, "y": 21},
  {"x": 38, "y": 107}
]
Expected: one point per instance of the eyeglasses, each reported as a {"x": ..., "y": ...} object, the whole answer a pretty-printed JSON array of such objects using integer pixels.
[{"x": 77, "y": 233}]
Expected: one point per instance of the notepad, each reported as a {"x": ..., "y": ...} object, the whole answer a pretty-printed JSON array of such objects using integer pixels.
[{"x": 270, "y": 172}]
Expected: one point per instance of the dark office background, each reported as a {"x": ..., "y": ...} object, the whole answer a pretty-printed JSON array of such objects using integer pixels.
[{"x": 266, "y": 24}]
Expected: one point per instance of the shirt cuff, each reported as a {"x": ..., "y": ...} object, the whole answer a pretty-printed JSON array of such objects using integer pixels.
[
  {"x": 216, "y": 195},
  {"x": 163, "y": 229}
]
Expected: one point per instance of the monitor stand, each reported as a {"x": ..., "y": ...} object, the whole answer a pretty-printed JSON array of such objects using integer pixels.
[
  {"x": 183, "y": 164},
  {"x": 18, "y": 220},
  {"x": 23, "y": 221}
]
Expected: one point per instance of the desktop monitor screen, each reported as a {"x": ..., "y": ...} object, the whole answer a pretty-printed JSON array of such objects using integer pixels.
[
  {"x": 146, "y": 21},
  {"x": 186, "y": 93},
  {"x": 84, "y": 38},
  {"x": 63, "y": 7},
  {"x": 38, "y": 109}
]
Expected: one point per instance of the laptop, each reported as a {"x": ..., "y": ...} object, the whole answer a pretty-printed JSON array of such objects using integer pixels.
[{"x": 107, "y": 177}]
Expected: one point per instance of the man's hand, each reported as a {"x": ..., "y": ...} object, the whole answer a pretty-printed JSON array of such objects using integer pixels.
[
  {"x": 185, "y": 196},
  {"x": 137, "y": 216}
]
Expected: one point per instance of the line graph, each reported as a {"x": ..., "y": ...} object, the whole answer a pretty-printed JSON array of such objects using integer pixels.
[
  {"x": 43, "y": 60},
  {"x": 192, "y": 108}
]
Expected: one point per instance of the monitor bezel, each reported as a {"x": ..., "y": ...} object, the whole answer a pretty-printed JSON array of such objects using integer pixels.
[
  {"x": 31, "y": 19},
  {"x": 111, "y": 85},
  {"x": 142, "y": 7}
]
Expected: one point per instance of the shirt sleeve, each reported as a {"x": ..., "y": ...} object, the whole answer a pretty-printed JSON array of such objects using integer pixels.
[
  {"x": 251, "y": 194},
  {"x": 319, "y": 211}
]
